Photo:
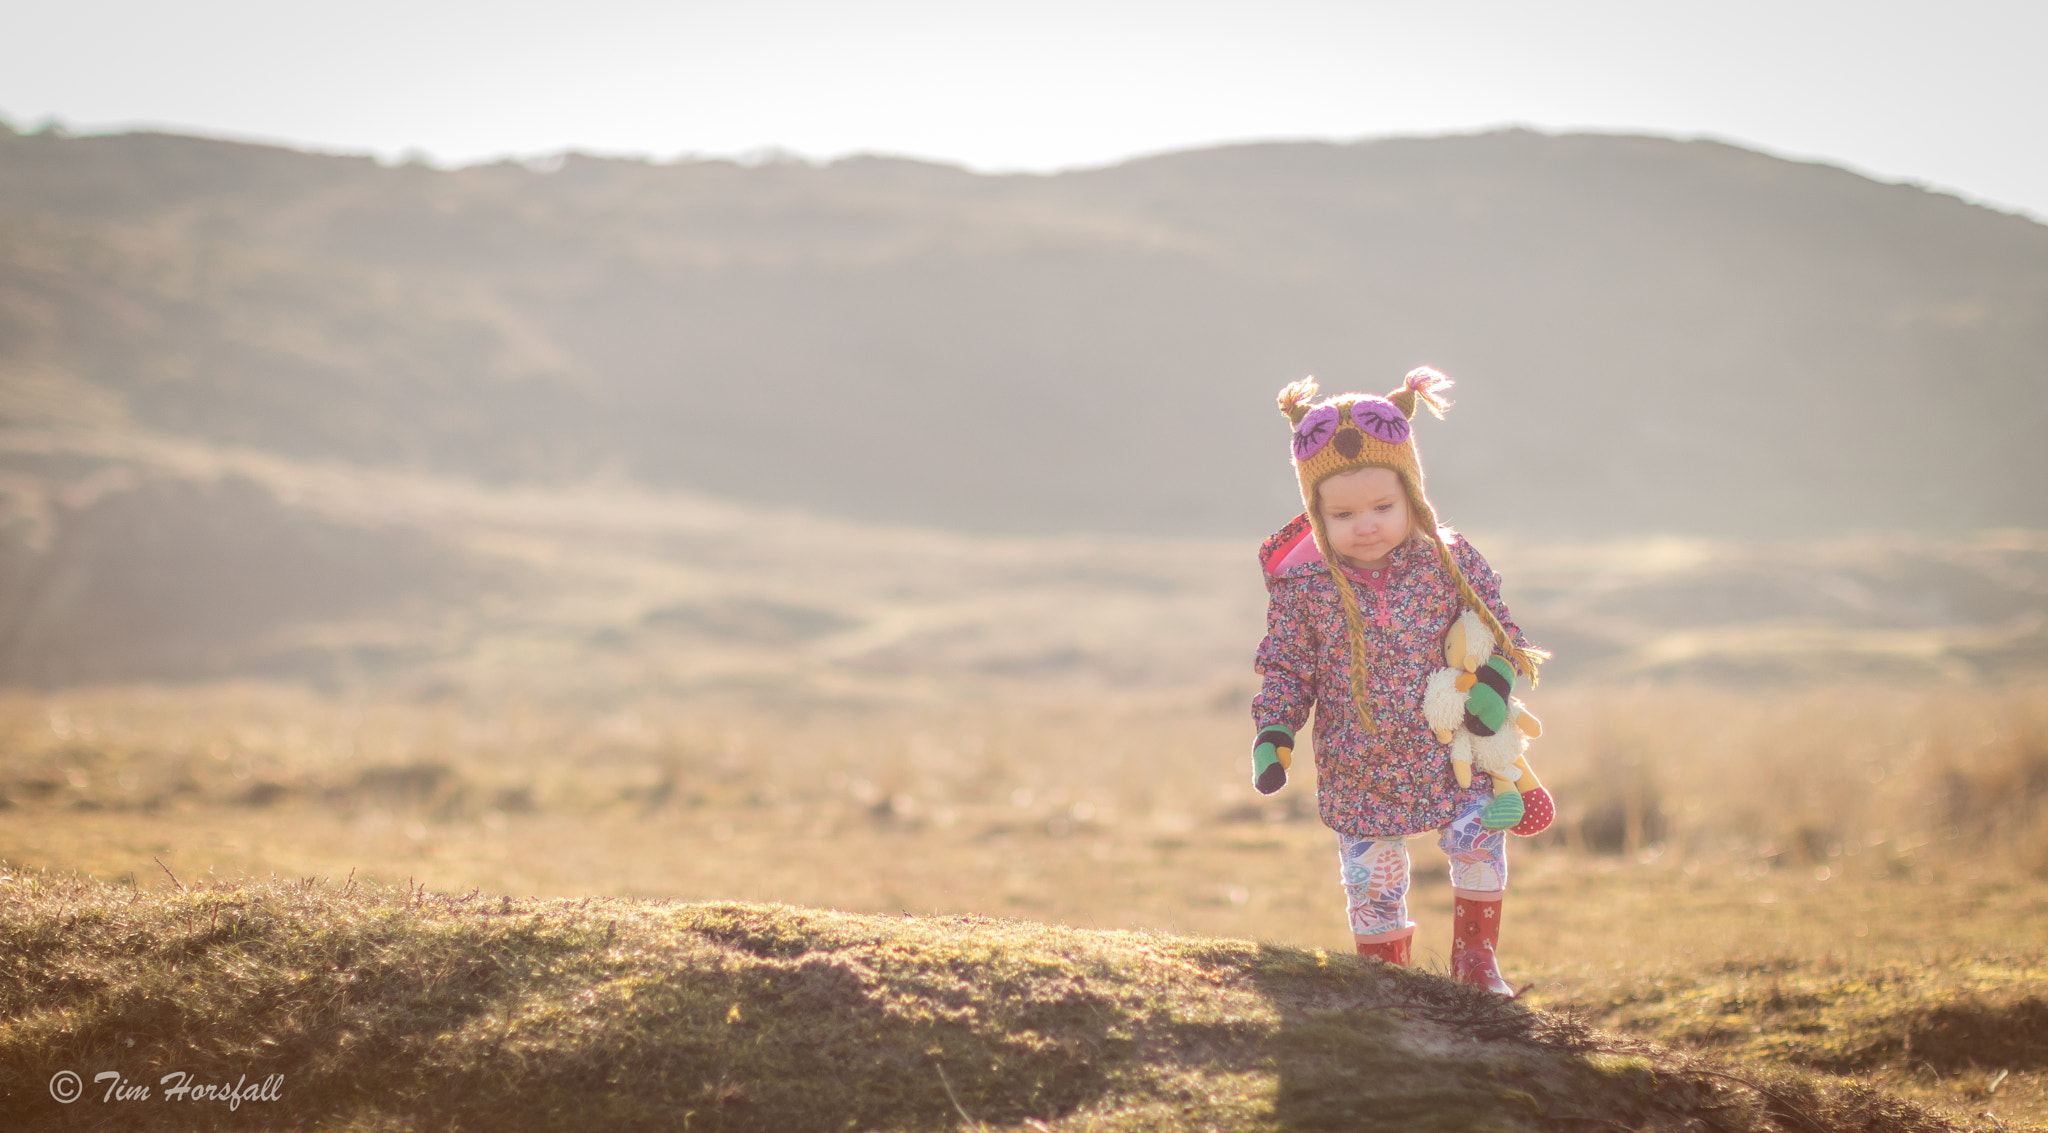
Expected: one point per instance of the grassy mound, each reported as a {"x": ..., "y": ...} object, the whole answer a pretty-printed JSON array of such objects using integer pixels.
[
  {"x": 1965, "y": 1030},
  {"x": 407, "y": 1010}
]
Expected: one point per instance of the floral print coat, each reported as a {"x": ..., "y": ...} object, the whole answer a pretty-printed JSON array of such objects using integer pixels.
[{"x": 1398, "y": 781}]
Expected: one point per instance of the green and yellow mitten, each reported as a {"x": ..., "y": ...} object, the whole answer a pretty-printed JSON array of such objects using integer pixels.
[
  {"x": 1272, "y": 755},
  {"x": 1488, "y": 691},
  {"x": 1487, "y": 699}
]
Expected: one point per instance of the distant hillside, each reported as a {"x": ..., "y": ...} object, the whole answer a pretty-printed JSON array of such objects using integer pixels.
[
  {"x": 1651, "y": 335},
  {"x": 127, "y": 554}
]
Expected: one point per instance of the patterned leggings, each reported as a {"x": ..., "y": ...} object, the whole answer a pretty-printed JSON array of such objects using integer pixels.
[{"x": 1376, "y": 869}]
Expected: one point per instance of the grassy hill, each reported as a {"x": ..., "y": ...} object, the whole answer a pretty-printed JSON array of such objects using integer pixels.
[
  {"x": 416, "y": 1010},
  {"x": 703, "y": 425},
  {"x": 1654, "y": 336}
]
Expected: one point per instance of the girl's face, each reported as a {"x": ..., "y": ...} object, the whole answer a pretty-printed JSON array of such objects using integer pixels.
[{"x": 1365, "y": 515}]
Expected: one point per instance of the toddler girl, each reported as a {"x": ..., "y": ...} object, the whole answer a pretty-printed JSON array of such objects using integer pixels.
[{"x": 1362, "y": 588}]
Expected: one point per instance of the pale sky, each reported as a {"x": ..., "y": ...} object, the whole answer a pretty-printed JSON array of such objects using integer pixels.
[{"x": 1952, "y": 94}]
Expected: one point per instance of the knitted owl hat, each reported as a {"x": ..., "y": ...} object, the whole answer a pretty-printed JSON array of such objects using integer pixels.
[{"x": 1360, "y": 430}]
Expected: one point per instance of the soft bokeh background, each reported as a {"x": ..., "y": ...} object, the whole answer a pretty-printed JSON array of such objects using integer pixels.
[
  {"x": 1947, "y": 94},
  {"x": 877, "y": 533}
]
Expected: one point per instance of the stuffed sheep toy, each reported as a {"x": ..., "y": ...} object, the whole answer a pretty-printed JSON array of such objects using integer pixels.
[{"x": 1471, "y": 705}]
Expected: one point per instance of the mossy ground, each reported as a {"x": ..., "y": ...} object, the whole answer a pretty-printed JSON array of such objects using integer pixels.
[
  {"x": 1730, "y": 877},
  {"x": 395, "y": 1010},
  {"x": 1932, "y": 986}
]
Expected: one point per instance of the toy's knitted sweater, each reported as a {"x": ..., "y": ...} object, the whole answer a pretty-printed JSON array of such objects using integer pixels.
[{"x": 1397, "y": 781}]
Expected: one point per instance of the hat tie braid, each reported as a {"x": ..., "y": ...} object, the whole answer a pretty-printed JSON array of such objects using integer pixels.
[
  {"x": 1354, "y": 626},
  {"x": 1524, "y": 659}
]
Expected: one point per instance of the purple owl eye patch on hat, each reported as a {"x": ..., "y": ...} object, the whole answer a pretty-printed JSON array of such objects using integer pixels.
[
  {"x": 1315, "y": 431},
  {"x": 1379, "y": 417}
]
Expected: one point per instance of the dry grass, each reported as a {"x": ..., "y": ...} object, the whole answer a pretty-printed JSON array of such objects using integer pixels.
[
  {"x": 402, "y": 1010},
  {"x": 1848, "y": 881},
  {"x": 1930, "y": 985},
  {"x": 1865, "y": 782}
]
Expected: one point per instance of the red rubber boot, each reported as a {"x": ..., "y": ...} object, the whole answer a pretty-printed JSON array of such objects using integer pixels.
[
  {"x": 1475, "y": 933},
  {"x": 1393, "y": 951}
]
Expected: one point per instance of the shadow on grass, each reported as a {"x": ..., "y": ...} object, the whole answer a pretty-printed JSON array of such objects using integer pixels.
[
  {"x": 806, "y": 1039},
  {"x": 228, "y": 987},
  {"x": 390, "y": 1012},
  {"x": 1955, "y": 1037},
  {"x": 1363, "y": 1047},
  {"x": 450, "y": 1015}
]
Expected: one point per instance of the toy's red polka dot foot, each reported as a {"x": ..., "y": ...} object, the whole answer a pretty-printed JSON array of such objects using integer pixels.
[{"x": 1538, "y": 812}]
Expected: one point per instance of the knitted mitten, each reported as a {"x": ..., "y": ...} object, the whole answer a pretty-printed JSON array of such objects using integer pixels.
[
  {"x": 1486, "y": 698},
  {"x": 1272, "y": 755}
]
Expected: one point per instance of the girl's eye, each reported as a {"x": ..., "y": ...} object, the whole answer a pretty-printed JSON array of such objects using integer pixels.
[{"x": 1315, "y": 431}]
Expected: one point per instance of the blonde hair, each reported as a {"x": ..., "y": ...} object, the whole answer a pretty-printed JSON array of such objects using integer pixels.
[{"x": 1423, "y": 387}]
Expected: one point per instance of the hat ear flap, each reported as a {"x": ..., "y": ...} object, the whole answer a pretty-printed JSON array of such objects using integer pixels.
[
  {"x": 1425, "y": 385},
  {"x": 1295, "y": 399}
]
